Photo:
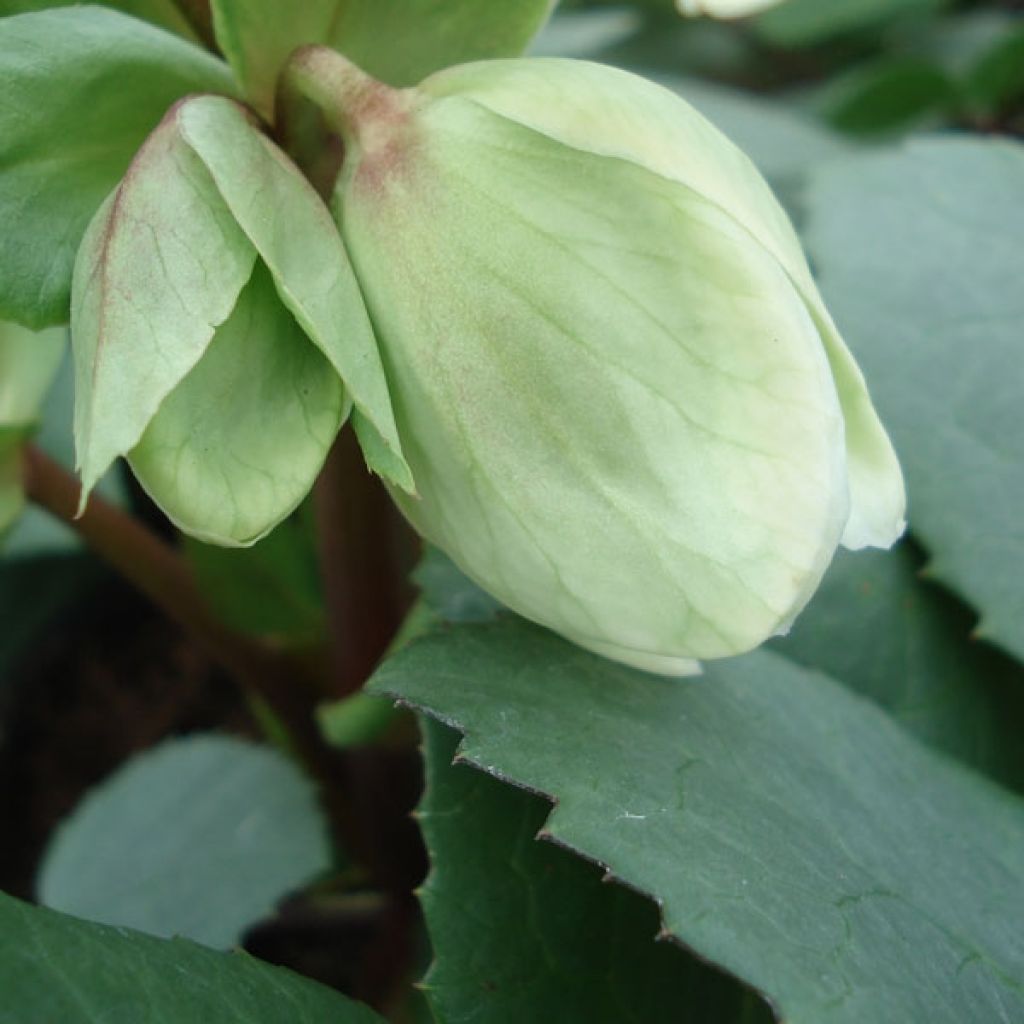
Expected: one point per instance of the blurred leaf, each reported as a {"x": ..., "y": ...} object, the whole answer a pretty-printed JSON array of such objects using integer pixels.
[
  {"x": 586, "y": 34},
  {"x": 962, "y": 697},
  {"x": 159, "y": 12},
  {"x": 919, "y": 252},
  {"x": 524, "y": 931},
  {"x": 28, "y": 363},
  {"x": 198, "y": 837},
  {"x": 80, "y": 88},
  {"x": 790, "y": 831},
  {"x": 355, "y": 721},
  {"x": 891, "y": 94},
  {"x": 997, "y": 78},
  {"x": 783, "y": 142},
  {"x": 32, "y": 593},
  {"x": 37, "y": 533},
  {"x": 804, "y": 23},
  {"x": 959, "y": 40},
  {"x": 55, "y": 968},
  {"x": 238, "y": 443},
  {"x": 271, "y": 589},
  {"x": 296, "y": 237},
  {"x": 398, "y": 41},
  {"x": 450, "y": 593}
]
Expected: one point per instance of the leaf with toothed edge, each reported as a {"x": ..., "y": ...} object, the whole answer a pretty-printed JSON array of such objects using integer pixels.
[
  {"x": 54, "y": 967},
  {"x": 936, "y": 327},
  {"x": 791, "y": 832},
  {"x": 506, "y": 915},
  {"x": 62, "y": 158}
]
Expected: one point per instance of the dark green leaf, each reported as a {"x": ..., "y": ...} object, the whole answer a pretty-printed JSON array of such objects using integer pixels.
[
  {"x": 960, "y": 696},
  {"x": 524, "y": 931},
  {"x": 790, "y": 831},
  {"x": 450, "y": 593},
  {"x": 888, "y": 95},
  {"x": 800, "y": 23},
  {"x": 919, "y": 252},
  {"x": 998, "y": 76},
  {"x": 198, "y": 837},
  {"x": 159, "y": 12},
  {"x": 54, "y": 968},
  {"x": 80, "y": 89}
]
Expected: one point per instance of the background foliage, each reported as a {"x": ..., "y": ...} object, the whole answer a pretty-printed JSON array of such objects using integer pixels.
[{"x": 827, "y": 830}]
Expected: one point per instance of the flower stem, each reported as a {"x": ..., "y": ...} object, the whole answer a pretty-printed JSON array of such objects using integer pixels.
[
  {"x": 347, "y": 95},
  {"x": 160, "y": 573}
]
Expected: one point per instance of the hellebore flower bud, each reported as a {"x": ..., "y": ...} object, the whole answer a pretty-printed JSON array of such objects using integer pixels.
[{"x": 627, "y": 412}]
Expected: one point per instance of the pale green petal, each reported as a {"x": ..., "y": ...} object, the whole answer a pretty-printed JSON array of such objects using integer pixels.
[
  {"x": 296, "y": 237},
  {"x": 238, "y": 444},
  {"x": 659, "y": 471},
  {"x": 160, "y": 267},
  {"x": 601, "y": 110}
]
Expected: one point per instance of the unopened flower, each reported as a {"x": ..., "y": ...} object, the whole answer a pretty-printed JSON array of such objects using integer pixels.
[{"x": 627, "y": 411}]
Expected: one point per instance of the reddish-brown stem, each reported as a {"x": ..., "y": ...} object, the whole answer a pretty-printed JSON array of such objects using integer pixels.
[
  {"x": 360, "y": 571},
  {"x": 160, "y": 573}
]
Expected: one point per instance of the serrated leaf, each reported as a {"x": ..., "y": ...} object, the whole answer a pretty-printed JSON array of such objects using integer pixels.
[
  {"x": 959, "y": 696},
  {"x": 523, "y": 931},
  {"x": 296, "y": 237},
  {"x": 791, "y": 832},
  {"x": 399, "y": 41},
  {"x": 158, "y": 12},
  {"x": 237, "y": 445},
  {"x": 199, "y": 837},
  {"x": 80, "y": 89},
  {"x": 55, "y": 968},
  {"x": 160, "y": 268},
  {"x": 919, "y": 253}
]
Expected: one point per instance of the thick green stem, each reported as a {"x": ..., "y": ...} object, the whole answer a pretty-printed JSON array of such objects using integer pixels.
[{"x": 348, "y": 97}]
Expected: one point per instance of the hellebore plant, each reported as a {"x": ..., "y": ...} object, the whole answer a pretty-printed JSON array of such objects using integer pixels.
[
  {"x": 575, "y": 330},
  {"x": 376, "y": 298}
]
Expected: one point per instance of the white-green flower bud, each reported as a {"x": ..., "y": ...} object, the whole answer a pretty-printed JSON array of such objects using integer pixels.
[{"x": 627, "y": 412}]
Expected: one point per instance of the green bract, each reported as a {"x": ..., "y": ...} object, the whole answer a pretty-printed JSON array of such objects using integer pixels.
[
  {"x": 220, "y": 339},
  {"x": 624, "y": 404}
]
